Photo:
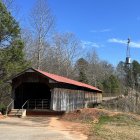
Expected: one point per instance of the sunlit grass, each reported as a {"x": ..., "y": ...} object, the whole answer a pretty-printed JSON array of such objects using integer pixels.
[{"x": 117, "y": 127}]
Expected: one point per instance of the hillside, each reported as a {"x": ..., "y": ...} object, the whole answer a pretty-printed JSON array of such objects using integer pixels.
[{"x": 106, "y": 125}]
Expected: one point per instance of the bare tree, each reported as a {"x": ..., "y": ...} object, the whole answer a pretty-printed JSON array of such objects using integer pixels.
[
  {"x": 42, "y": 23},
  {"x": 68, "y": 47},
  {"x": 98, "y": 71},
  {"x": 62, "y": 54},
  {"x": 29, "y": 43}
]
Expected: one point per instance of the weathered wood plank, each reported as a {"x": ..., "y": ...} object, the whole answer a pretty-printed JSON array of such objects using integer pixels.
[{"x": 69, "y": 100}]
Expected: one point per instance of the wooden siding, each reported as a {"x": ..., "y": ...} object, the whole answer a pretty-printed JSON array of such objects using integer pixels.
[
  {"x": 93, "y": 97},
  {"x": 69, "y": 100}
]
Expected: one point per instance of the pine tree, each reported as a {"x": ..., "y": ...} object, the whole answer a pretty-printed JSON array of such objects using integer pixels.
[
  {"x": 82, "y": 68},
  {"x": 111, "y": 84},
  {"x": 9, "y": 28},
  {"x": 12, "y": 58}
]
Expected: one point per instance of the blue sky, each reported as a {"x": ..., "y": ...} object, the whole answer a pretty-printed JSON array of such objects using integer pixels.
[{"x": 103, "y": 25}]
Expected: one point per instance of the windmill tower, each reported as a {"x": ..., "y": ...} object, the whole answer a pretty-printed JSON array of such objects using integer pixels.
[
  {"x": 129, "y": 69},
  {"x": 128, "y": 59}
]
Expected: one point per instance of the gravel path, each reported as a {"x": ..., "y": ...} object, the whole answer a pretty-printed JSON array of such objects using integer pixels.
[{"x": 36, "y": 128}]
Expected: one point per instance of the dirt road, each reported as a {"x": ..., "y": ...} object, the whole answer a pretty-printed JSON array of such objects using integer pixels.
[{"x": 38, "y": 128}]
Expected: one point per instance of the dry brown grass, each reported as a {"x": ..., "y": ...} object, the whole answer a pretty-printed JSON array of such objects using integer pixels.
[{"x": 115, "y": 132}]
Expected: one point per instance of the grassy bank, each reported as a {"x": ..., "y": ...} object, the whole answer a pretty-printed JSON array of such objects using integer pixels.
[
  {"x": 107, "y": 125},
  {"x": 117, "y": 127}
]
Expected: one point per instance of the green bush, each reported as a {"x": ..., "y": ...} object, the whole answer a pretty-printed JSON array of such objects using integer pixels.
[
  {"x": 92, "y": 105},
  {"x": 3, "y": 109}
]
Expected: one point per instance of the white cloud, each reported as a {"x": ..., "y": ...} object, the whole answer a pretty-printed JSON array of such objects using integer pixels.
[
  {"x": 89, "y": 44},
  {"x": 100, "y": 31},
  {"x": 115, "y": 40},
  {"x": 120, "y": 41}
]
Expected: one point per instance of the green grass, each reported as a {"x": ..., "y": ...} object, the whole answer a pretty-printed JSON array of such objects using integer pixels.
[
  {"x": 117, "y": 127},
  {"x": 118, "y": 119}
]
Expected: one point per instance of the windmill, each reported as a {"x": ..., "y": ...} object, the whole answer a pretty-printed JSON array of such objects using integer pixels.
[
  {"x": 129, "y": 69},
  {"x": 128, "y": 66},
  {"x": 128, "y": 59}
]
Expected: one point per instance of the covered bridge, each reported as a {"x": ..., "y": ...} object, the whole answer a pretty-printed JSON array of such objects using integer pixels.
[{"x": 36, "y": 89}]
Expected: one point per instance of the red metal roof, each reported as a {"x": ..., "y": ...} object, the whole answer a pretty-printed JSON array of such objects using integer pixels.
[{"x": 61, "y": 79}]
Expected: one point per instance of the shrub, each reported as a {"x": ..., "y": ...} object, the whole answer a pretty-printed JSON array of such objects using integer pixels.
[{"x": 3, "y": 109}]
